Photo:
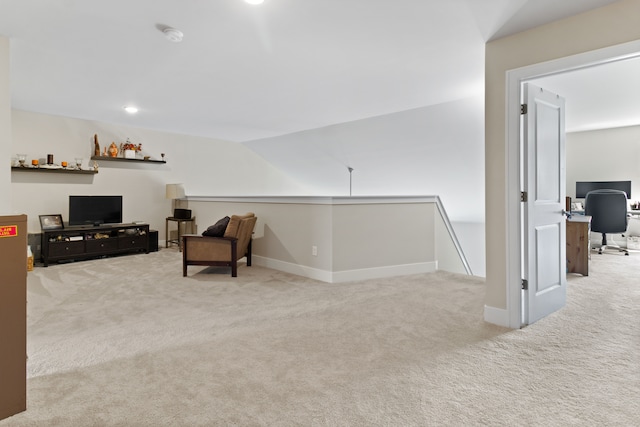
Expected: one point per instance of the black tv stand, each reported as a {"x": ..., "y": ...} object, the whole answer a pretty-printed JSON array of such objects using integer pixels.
[{"x": 84, "y": 242}]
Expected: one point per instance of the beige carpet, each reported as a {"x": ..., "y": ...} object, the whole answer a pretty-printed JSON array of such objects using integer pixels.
[{"x": 128, "y": 341}]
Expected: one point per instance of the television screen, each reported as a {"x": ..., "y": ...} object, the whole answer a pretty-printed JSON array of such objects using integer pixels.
[
  {"x": 583, "y": 187},
  {"x": 95, "y": 210}
]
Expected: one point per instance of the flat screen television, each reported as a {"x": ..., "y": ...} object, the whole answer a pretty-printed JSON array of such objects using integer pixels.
[
  {"x": 583, "y": 187},
  {"x": 95, "y": 210}
]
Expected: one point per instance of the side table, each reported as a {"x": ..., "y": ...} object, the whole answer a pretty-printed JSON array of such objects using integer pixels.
[{"x": 181, "y": 222}]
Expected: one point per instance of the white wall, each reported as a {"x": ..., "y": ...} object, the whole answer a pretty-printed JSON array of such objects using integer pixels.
[
  {"x": 445, "y": 250},
  {"x": 355, "y": 238},
  {"x": 604, "y": 155},
  {"x": 5, "y": 128},
  {"x": 205, "y": 166},
  {"x": 373, "y": 235},
  {"x": 436, "y": 150},
  {"x": 599, "y": 28}
]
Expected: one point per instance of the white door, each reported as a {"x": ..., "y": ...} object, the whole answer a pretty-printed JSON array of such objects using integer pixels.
[{"x": 544, "y": 184}]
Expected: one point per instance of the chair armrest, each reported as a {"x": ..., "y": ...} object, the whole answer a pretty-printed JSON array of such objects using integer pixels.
[
  {"x": 201, "y": 248},
  {"x": 200, "y": 236},
  {"x": 192, "y": 235}
]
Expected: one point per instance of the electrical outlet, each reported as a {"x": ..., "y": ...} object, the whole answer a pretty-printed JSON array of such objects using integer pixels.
[{"x": 314, "y": 250}]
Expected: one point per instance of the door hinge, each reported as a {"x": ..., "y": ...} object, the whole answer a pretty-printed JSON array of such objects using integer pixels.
[
  {"x": 525, "y": 284},
  {"x": 523, "y": 196},
  {"x": 523, "y": 109}
]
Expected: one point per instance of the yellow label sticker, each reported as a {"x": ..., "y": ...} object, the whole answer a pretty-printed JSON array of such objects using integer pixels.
[{"x": 8, "y": 230}]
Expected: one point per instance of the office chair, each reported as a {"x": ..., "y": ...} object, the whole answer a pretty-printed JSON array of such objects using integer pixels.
[{"x": 608, "y": 211}]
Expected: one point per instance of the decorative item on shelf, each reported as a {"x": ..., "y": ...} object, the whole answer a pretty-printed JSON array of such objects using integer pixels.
[
  {"x": 113, "y": 150},
  {"x": 34, "y": 163},
  {"x": 64, "y": 164},
  {"x": 49, "y": 159},
  {"x": 21, "y": 159},
  {"x": 51, "y": 222},
  {"x": 162, "y": 155},
  {"x": 130, "y": 149},
  {"x": 79, "y": 163},
  {"x": 95, "y": 165},
  {"x": 96, "y": 145}
]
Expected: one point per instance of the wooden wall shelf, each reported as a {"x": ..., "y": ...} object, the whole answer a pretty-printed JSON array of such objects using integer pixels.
[
  {"x": 62, "y": 170},
  {"x": 122, "y": 159}
]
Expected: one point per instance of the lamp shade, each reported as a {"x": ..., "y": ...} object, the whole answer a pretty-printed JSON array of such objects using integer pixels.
[{"x": 175, "y": 191}]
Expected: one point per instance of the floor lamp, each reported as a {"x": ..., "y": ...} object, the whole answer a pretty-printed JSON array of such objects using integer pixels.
[{"x": 173, "y": 192}]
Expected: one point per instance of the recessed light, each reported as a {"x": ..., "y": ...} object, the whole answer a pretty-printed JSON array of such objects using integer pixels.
[
  {"x": 173, "y": 35},
  {"x": 131, "y": 109},
  {"x": 254, "y": 1}
]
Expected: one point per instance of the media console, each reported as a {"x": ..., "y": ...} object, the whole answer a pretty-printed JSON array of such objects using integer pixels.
[{"x": 82, "y": 242}]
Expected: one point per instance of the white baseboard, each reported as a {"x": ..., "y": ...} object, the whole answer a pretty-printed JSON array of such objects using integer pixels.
[
  {"x": 345, "y": 276},
  {"x": 497, "y": 316},
  {"x": 380, "y": 272},
  {"x": 288, "y": 267}
]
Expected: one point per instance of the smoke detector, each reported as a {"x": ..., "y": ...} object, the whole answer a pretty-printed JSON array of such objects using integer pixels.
[{"x": 173, "y": 35}]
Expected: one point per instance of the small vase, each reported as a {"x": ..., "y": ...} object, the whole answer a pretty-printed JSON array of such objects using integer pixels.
[
  {"x": 129, "y": 154},
  {"x": 113, "y": 150}
]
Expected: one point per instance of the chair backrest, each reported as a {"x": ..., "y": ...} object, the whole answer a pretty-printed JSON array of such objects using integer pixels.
[
  {"x": 241, "y": 227},
  {"x": 608, "y": 210},
  {"x": 245, "y": 230}
]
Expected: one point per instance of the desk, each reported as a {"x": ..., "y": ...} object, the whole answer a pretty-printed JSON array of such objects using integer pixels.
[
  {"x": 631, "y": 212},
  {"x": 578, "y": 244},
  {"x": 181, "y": 221}
]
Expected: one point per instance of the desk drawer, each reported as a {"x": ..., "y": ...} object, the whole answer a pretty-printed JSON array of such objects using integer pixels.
[
  {"x": 102, "y": 245},
  {"x": 133, "y": 242},
  {"x": 63, "y": 249}
]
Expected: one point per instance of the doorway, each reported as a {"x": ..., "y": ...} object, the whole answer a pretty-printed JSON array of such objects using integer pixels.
[{"x": 515, "y": 80}]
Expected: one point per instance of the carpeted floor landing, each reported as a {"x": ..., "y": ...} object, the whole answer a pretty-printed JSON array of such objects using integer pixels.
[{"x": 128, "y": 341}]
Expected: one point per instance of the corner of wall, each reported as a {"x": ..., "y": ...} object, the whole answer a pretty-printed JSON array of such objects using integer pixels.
[
  {"x": 497, "y": 316},
  {"x": 5, "y": 125}
]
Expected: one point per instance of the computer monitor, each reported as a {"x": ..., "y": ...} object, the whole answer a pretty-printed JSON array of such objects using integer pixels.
[{"x": 583, "y": 187}]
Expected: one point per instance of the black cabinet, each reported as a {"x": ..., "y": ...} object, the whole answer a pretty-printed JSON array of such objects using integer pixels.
[
  {"x": 101, "y": 245},
  {"x": 83, "y": 242},
  {"x": 65, "y": 249}
]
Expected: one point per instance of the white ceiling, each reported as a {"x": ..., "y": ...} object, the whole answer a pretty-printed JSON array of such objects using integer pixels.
[
  {"x": 599, "y": 97},
  {"x": 246, "y": 72}
]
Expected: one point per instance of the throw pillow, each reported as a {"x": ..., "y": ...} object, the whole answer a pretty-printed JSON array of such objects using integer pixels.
[
  {"x": 217, "y": 229},
  {"x": 234, "y": 224}
]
